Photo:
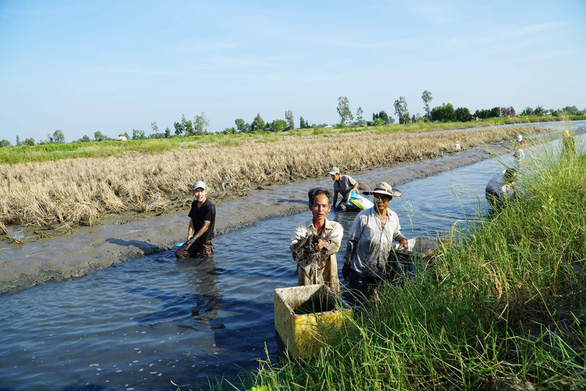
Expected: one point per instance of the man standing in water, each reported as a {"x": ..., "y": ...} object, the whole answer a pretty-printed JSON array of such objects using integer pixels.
[
  {"x": 371, "y": 242},
  {"x": 343, "y": 184},
  {"x": 200, "y": 234},
  {"x": 316, "y": 242}
]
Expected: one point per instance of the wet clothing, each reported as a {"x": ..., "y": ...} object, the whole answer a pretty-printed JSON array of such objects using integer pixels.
[
  {"x": 344, "y": 186},
  {"x": 207, "y": 212},
  {"x": 498, "y": 190},
  {"x": 204, "y": 245},
  {"x": 369, "y": 245},
  {"x": 190, "y": 250},
  {"x": 327, "y": 267}
]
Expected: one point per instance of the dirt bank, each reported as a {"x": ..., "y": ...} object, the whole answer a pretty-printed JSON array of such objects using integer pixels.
[{"x": 88, "y": 249}]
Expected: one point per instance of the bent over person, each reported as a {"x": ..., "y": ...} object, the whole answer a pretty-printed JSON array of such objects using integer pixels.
[
  {"x": 316, "y": 242},
  {"x": 202, "y": 218},
  {"x": 344, "y": 185}
]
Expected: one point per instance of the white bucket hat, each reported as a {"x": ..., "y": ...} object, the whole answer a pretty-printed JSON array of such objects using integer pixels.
[{"x": 386, "y": 189}]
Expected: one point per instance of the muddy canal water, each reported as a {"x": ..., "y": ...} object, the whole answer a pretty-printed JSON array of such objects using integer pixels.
[{"x": 154, "y": 320}]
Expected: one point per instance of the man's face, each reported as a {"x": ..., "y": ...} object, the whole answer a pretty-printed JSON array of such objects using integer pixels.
[
  {"x": 336, "y": 177},
  {"x": 320, "y": 207},
  {"x": 381, "y": 201},
  {"x": 200, "y": 194}
]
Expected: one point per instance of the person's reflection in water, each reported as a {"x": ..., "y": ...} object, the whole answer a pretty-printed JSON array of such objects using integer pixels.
[{"x": 203, "y": 274}]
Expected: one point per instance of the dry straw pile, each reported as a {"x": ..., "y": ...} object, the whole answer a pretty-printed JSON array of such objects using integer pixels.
[{"x": 64, "y": 194}]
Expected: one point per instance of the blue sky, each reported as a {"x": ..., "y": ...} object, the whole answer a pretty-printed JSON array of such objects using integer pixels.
[{"x": 114, "y": 66}]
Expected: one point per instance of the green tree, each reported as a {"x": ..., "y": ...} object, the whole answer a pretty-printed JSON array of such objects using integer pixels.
[
  {"x": 279, "y": 125},
  {"x": 138, "y": 134},
  {"x": 200, "y": 123},
  {"x": 257, "y": 123},
  {"x": 443, "y": 113},
  {"x": 495, "y": 112},
  {"x": 290, "y": 119},
  {"x": 17, "y": 140},
  {"x": 98, "y": 136},
  {"x": 58, "y": 137},
  {"x": 4, "y": 143},
  {"x": 155, "y": 127},
  {"x": 167, "y": 132},
  {"x": 187, "y": 125},
  {"x": 241, "y": 125},
  {"x": 384, "y": 118},
  {"x": 85, "y": 139},
  {"x": 344, "y": 111},
  {"x": 426, "y": 96},
  {"x": 539, "y": 111},
  {"x": 29, "y": 141},
  {"x": 303, "y": 123},
  {"x": 572, "y": 110},
  {"x": 462, "y": 114},
  {"x": 401, "y": 110},
  {"x": 359, "y": 116},
  {"x": 179, "y": 129}
]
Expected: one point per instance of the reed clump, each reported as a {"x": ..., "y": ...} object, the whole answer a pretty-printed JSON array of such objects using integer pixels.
[
  {"x": 63, "y": 194},
  {"x": 501, "y": 309}
]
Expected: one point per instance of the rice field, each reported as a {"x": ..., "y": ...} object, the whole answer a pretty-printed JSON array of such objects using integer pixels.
[{"x": 50, "y": 197}]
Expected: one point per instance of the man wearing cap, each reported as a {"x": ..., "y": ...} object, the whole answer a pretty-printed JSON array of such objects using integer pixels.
[
  {"x": 343, "y": 184},
  {"x": 371, "y": 241},
  {"x": 202, "y": 217}
]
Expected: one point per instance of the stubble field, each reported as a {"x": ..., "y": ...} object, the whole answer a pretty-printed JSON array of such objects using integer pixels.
[{"x": 52, "y": 197}]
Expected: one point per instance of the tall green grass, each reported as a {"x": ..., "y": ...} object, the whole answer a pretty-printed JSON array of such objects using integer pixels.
[{"x": 504, "y": 307}]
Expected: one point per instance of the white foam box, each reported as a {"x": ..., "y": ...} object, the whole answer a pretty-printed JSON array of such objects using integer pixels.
[{"x": 304, "y": 315}]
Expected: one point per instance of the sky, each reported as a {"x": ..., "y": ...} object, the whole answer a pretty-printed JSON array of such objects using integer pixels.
[{"x": 115, "y": 66}]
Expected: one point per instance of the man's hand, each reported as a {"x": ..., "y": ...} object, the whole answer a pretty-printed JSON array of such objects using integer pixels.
[
  {"x": 320, "y": 244},
  {"x": 403, "y": 244}
]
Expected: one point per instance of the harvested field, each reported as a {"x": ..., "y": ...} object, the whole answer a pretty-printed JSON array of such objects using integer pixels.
[{"x": 60, "y": 195}]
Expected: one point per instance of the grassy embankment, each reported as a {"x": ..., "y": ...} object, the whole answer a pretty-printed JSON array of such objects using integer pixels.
[
  {"x": 155, "y": 176},
  {"x": 96, "y": 149},
  {"x": 503, "y": 309}
]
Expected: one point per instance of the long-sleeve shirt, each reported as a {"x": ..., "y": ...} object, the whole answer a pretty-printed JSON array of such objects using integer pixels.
[
  {"x": 369, "y": 244},
  {"x": 328, "y": 269}
]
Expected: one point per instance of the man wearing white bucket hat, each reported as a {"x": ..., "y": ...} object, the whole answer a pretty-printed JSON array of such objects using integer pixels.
[
  {"x": 370, "y": 242},
  {"x": 202, "y": 218}
]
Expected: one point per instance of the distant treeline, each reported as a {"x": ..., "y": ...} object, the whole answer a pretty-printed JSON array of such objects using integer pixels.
[{"x": 199, "y": 125}]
